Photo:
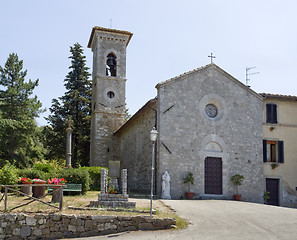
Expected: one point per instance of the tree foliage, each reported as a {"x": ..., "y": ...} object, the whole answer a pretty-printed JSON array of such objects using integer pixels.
[
  {"x": 19, "y": 132},
  {"x": 75, "y": 105}
]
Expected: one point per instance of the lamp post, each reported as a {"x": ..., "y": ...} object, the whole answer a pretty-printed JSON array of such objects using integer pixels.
[{"x": 153, "y": 136}]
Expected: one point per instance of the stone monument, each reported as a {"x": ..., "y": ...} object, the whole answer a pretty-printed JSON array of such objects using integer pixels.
[{"x": 108, "y": 200}]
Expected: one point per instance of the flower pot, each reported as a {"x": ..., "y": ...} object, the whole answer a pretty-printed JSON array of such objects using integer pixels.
[
  {"x": 189, "y": 195},
  {"x": 237, "y": 197},
  {"x": 26, "y": 189},
  {"x": 39, "y": 191}
]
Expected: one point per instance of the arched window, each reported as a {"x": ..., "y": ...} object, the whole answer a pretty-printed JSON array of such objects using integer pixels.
[{"x": 111, "y": 65}]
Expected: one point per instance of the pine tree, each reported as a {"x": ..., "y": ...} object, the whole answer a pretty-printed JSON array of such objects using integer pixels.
[
  {"x": 75, "y": 104},
  {"x": 18, "y": 110}
]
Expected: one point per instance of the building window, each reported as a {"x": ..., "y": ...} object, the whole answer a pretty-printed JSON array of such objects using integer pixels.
[
  {"x": 271, "y": 113},
  {"x": 273, "y": 151},
  {"x": 111, "y": 65},
  {"x": 110, "y": 94}
]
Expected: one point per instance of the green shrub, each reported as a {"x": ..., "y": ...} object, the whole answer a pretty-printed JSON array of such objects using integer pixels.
[
  {"x": 8, "y": 174},
  {"x": 75, "y": 175},
  {"x": 95, "y": 177},
  {"x": 33, "y": 173},
  {"x": 44, "y": 167}
]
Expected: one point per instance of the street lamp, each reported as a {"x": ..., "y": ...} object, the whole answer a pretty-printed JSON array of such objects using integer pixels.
[{"x": 153, "y": 135}]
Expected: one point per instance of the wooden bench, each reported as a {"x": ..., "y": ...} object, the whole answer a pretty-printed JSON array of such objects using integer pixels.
[{"x": 69, "y": 187}]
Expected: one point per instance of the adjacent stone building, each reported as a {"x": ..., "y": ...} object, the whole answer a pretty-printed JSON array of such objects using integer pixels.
[{"x": 208, "y": 123}]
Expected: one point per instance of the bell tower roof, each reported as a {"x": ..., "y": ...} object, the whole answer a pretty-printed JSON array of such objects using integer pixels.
[{"x": 108, "y": 30}]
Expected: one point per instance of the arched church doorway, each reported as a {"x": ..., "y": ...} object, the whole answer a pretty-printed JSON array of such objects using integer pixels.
[{"x": 213, "y": 182}]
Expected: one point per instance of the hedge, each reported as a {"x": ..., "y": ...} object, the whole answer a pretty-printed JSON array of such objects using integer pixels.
[
  {"x": 95, "y": 177},
  {"x": 75, "y": 175}
]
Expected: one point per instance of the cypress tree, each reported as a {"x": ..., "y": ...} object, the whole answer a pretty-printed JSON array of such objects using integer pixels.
[{"x": 75, "y": 104}]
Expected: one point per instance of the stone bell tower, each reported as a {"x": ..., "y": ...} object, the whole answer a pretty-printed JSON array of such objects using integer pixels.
[{"x": 109, "y": 87}]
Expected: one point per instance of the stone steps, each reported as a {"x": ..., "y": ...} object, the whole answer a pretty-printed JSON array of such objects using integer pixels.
[
  {"x": 112, "y": 204},
  {"x": 113, "y": 201}
]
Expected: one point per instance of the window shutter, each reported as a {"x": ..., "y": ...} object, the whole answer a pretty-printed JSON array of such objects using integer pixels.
[
  {"x": 268, "y": 113},
  {"x": 280, "y": 146},
  {"x": 264, "y": 151},
  {"x": 273, "y": 113}
]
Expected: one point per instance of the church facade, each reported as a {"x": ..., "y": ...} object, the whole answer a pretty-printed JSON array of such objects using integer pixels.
[{"x": 208, "y": 123}]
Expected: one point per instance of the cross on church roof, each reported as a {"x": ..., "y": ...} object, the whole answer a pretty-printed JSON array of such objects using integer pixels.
[{"x": 211, "y": 57}]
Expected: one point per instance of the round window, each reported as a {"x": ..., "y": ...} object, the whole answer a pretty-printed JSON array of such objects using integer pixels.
[
  {"x": 110, "y": 94},
  {"x": 211, "y": 110}
]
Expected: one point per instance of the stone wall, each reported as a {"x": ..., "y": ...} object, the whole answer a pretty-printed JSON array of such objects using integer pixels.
[
  {"x": 187, "y": 136},
  {"x": 41, "y": 226},
  {"x": 136, "y": 149}
]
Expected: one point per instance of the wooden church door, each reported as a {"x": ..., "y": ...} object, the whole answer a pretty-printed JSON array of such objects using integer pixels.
[{"x": 213, "y": 176}]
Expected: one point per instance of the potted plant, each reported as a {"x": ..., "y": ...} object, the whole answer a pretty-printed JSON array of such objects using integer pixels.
[
  {"x": 274, "y": 165},
  {"x": 237, "y": 181},
  {"x": 26, "y": 181},
  {"x": 26, "y": 189},
  {"x": 189, "y": 179},
  {"x": 266, "y": 196},
  {"x": 112, "y": 190},
  {"x": 38, "y": 191},
  {"x": 57, "y": 181},
  {"x": 56, "y": 193}
]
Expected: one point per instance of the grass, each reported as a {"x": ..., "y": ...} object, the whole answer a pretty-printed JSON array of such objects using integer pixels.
[{"x": 82, "y": 201}]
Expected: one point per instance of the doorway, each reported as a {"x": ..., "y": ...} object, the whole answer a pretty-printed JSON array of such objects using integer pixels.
[
  {"x": 272, "y": 186},
  {"x": 213, "y": 180}
]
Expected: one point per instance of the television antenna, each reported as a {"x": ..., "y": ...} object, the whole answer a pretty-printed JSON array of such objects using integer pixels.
[{"x": 247, "y": 74}]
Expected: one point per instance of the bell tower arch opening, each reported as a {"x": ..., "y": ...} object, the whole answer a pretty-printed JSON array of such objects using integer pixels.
[{"x": 111, "y": 65}]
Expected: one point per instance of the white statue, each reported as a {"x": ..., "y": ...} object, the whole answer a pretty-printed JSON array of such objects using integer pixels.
[{"x": 165, "y": 186}]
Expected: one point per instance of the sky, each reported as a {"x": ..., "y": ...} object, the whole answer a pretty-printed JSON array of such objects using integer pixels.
[{"x": 170, "y": 37}]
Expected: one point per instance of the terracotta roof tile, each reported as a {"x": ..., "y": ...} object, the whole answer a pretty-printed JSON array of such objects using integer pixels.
[{"x": 279, "y": 96}]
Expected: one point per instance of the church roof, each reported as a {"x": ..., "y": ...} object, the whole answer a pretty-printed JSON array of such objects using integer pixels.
[
  {"x": 110, "y": 31},
  {"x": 278, "y": 96},
  {"x": 145, "y": 107},
  {"x": 181, "y": 76}
]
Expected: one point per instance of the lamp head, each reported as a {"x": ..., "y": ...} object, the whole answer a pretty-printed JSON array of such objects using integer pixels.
[{"x": 154, "y": 134}]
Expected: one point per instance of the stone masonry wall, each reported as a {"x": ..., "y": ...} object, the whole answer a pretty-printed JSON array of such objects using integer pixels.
[
  {"x": 41, "y": 226},
  {"x": 135, "y": 148},
  {"x": 234, "y": 135}
]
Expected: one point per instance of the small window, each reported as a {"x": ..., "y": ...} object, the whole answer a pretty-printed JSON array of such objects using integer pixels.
[
  {"x": 271, "y": 113},
  {"x": 273, "y": 151},
  {"x": 110, "y": 94},
  {"x": 111, "y": 65}
]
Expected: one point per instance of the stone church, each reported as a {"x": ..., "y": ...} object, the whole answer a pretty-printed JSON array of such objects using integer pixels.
[{"x": 208, "y": 123}]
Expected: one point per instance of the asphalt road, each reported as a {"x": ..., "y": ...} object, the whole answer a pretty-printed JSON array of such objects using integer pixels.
[{"x": 218, "y": 219}]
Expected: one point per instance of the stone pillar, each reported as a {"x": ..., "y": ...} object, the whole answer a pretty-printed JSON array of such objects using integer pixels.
[
  {"x": 68, "y": 143},
  {"x": 124, "y": 181},
  {"x": 103, "y": 181}
]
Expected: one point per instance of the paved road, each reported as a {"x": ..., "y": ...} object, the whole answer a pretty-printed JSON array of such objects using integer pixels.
[{"x": 217, "y": 219}]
